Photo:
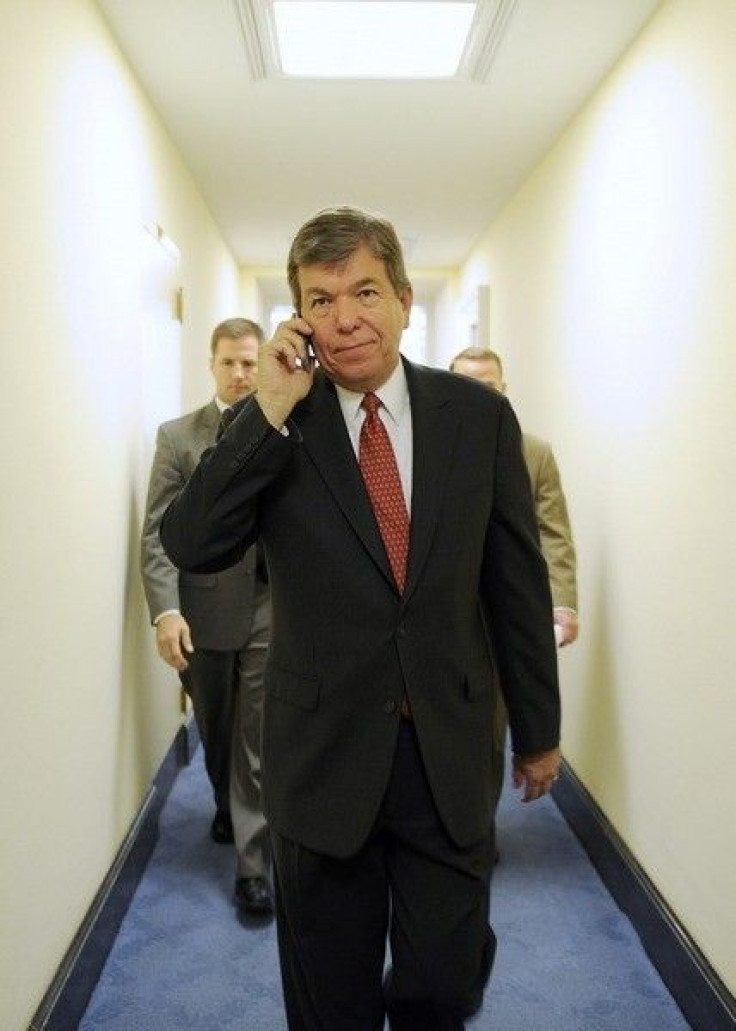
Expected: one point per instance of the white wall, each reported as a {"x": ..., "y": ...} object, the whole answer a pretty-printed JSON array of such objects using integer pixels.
[
  {"x": 88, "y": 710},
  {"x": 612, "y": 275}
]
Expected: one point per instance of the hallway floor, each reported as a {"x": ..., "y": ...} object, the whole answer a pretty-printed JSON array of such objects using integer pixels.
[{"x": 568, "y": 959}]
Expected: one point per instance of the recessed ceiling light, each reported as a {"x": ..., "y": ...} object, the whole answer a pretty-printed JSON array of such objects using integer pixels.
[{"x": 372, "y": 39}]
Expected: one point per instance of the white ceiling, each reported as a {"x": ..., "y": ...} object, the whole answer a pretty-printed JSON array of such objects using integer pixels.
[{"x": 438, "y": 158}]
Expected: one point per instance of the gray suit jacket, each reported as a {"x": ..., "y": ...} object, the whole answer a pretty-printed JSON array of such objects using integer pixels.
[
  {"x": 217, "y": 606},
  {"x": 554, "y": 521},
  {"x": 345, "y": 647}
]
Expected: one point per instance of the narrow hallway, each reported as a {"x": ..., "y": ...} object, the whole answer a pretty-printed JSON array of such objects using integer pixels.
[
  {"x": 576, "y": 213},
  {"x": 568, "y": 959}
]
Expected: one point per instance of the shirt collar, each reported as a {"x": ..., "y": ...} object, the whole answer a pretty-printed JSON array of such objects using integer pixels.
[{"x": 393, "y": 394}]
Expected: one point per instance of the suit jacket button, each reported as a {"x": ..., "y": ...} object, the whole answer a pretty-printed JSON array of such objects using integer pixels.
[{"x": 389, "y": 707}]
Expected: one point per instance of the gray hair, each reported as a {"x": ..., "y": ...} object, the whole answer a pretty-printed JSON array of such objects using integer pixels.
[{"x": 333, "y": 234}]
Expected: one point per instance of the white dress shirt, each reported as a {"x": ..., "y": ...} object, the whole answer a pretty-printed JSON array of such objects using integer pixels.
[{"x": 394, "y": 413}]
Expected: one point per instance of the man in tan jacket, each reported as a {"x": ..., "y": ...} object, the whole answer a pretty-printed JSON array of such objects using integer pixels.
[{"x": 550, "y": 505}]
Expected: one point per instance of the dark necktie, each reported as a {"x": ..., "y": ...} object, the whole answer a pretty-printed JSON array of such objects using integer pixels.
[
  {"x": 226, "y": 417},
  {"x": 382, "y": 480}
]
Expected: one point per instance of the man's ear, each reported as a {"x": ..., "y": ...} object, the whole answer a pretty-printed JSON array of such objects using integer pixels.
[{"x": 407, "y": 299}]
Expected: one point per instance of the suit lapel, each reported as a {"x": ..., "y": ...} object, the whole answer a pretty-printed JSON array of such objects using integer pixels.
[
  {"x": 207, "y": 424},
  {"x": 434, "y": 432},
  {"x": 325, "y": 438},
  {"x": 197, "y": 433}
]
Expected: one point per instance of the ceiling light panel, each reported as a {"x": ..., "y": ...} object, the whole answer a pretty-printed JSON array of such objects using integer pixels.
[{"x": 371, "y": 39}]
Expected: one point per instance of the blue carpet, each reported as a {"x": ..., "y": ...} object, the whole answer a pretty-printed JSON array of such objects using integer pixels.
[{"x": 568, "y": 959}]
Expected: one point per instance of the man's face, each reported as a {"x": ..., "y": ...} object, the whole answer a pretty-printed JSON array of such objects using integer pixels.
[
  {"x": 234, "y": 366},
  {"x": 356, "y": 317},
  {"x": 485, "y": 370}
]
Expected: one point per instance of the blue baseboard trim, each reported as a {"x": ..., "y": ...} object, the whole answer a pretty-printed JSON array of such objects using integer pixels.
[
  {"x": 67, "y": 998},
  {"x": 705, "y": 1001}
]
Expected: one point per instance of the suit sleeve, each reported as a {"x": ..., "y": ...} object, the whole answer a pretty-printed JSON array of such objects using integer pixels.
[
  {"x": 160, "y": 575},
  {"x": 556, "y": 533},
  {"x": 516, "y": 595},
  {"x": 212, "y": 522}
]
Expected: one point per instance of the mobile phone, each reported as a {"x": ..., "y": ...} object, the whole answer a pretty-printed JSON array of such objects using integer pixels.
[{"x": 310, "y": 357}]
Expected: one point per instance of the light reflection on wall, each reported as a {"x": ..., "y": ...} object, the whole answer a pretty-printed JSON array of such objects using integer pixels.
[
  {"x": 95, "y": 176},
  {"x": 635, "y": 250}
]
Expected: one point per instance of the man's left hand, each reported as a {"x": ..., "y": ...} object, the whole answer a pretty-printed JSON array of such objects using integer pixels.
[
  {"x": 566, "y": 626},
  {"x": 536, "y": 773}
]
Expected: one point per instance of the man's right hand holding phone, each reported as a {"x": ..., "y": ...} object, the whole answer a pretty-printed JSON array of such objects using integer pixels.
[{"x": 285, "y": 370}]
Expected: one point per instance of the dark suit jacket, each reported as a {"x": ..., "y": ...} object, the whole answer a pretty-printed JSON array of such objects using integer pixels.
[
  {"x": 217, "y": 606},
  {"x": 344, "y": 646}
]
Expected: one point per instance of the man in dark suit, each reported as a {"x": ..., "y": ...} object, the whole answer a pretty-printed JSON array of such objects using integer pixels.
[
  {"x": 213, "y": 628},
  {"x": 378, "y": 780}
]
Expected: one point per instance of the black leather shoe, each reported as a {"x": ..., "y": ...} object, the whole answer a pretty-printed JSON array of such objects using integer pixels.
[
  {"x": 221, "y": 830},
  {"x": 253, "y": 895}
]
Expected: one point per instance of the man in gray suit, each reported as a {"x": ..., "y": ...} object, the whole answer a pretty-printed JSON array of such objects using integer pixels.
[{"x": 213, "y": 628}]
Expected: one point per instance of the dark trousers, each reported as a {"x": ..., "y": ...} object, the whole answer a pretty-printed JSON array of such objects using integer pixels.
[
  {"x": 500, "y": 730},
  {"x": 211, "y": 681},
  {"x": 408, "y": 882},
  {"x": 226, "y": 688}
]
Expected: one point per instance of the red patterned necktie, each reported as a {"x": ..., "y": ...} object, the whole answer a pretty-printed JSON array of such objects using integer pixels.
[{"x": 381, "y": 476}]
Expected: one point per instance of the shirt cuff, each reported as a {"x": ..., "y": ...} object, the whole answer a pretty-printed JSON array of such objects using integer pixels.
[{"x": 166, "y": 612}]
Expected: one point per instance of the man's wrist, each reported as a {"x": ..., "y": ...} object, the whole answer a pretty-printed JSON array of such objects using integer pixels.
[
  {"x": 530, "y": 757},
  {"x": 162, "y": 615},
  {"x": 275, "y": 412}
]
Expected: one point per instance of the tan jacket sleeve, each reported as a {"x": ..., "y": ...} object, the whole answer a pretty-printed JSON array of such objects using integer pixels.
[{"x": 554, "y": 522}]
